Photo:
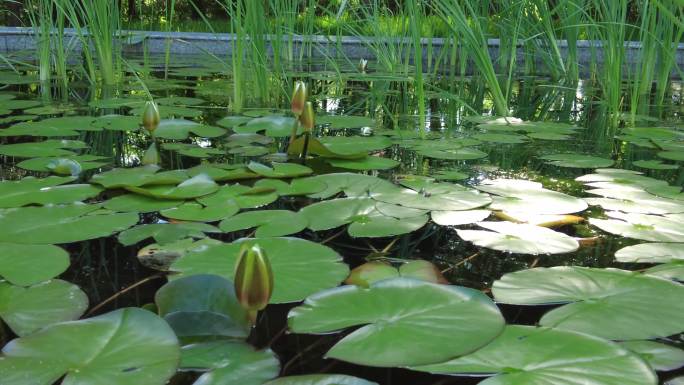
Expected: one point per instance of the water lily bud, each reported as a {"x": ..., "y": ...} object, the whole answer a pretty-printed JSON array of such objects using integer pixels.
[
  {"x": 298, "y": 98},
  {"x": 151, "y": 117},
  {"x": 363, "y": 64},
  {"x": 308, "y": 119},
  {"x": 63, "y": 166},
  {"x": 253, "y": 278},
  {"x": 151, "y": 156}
]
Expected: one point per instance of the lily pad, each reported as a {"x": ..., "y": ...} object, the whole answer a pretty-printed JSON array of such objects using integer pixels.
[
  {"x": 138, "y": 176},
  {"x": 463, "y": 153},
  {"x": 672, "y": 155},
  {"x": 195, "y": 187},
  {"x": 280, "y": 170},
  {"x": 273, "y": 125},
  {"x": 25, "y": 265},
  {"x": 374, "y": 271},
  {"x": 165, "y": 232},
  {"x": 577, "y": 161},
  {"x": 60, "y": 224},
  {"x": 126, "y": 346},
  {"x": 647, "y": 307},
  {"x": 651, "y": 253},
  {"x": 337, "y": 122},
  {"x": 349, "y": 145},
  {"x": 42, "y": 164},
  {"x": 655, "y": 165},
  {"x": 139, "y": 204},
  {"x": 300, "y": 267},
  {"x": 519, "y": 238},
  {"x": 436, "y": 196},
  {"x": 179, "y": 129},
  {"x": 50, "y": 147},
  {"x": 661, "y": 357},
  {"x": 641, "y": 226},
  {"x": 673, "y": 271},
  {"x": 244, "y": 196},
  {"x": 229, "y": 362},
  {"x": 525, "y": 355},
  {"x": 501, "y": 138},
  {"x": 27, "y": 309},
  {"x": 320, "y": 379},
  {"x": 269, "y": 223},
  {"x": 364, "y": 164},
  {"x": 45, "y": 191},
  {"x": 190, "y": 211},
  {"x": 202, "y": 306},
  {"x": 456, "y": 218},
  {"x": 401, "y": 316},
  {"x": 518, "y": 195}
]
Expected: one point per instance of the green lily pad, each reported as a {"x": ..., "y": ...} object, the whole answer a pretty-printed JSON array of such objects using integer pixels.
[
  {"x": 353, "y": 185},
  {"x": 229, "y": 362},
  {"x": 435, "y": 196},
  {"x": 202, "y": 306},
  {"x": 280, "y": 170},
  {"x": 172, "y": 112},
  {"x": 525, "y": 355},
  {"x": 139, "y": 204},
  {"x": 45, "y": 191},
  {"x": 651, "y": 253},
  {"x": 320, "y": 379},
  {"x": 519, "y": 238},
  {"x": 269, "y": 223},
  {"x": 655, "y": 165},
  {"x": 180, "y": 101},
  {"x": 160, "y": 257},
  {"x": 25, "y": 265},
  {"x": 501, "y": 138},
  {"x": 165, "y": 232},
  {"x": 221, "y": 173},
  {"x": 672, "y": 155},
  {"x": 300, "y": 267},
  {"x": 519, "y": 195},
  {"x": 195, "y": 187},
  {"x": 126, "y": 346},
  {"x": 463, "y": 153},
  {"x": 374, "y": 271},
  {"x": 457, "y": 218},
  {"x": 337, "y": 122},
  {"x": 399, "y": 315},
  {"x": 364, "y": 164},
  {"x": 50, "y": 147},
  {"x": 43, "y": 164},
  {"x": 548, "y": 136},
  {"x": 641, "y": 226},
  {"x": 60, "y": 224},
  {"x": 577, "y": 161},
  {"x": 16, "y": 104},
  {"x": 673, "y": 271},
  {"x": 244, "y": 196},
  {"x": 450, "y": 175},
  {"x": 138, "y": 176},
  {"x": 190, "y": 211},
  {"x": 274, "y": 126},
  {"x": 192, "y": 150},
  {"x": 232, "y": 121},
  {"x": 646, "y": 307},
  {"x": 27, "y": 309},
  {"x": 349, "y": 145},
  {"x": 115, "y": 122},
  {"x": 299, "y": 186},
  {"x": 180, "y": 129},
  {"x": 664, "y": 191},
  {"x": 661, "y": 357}
]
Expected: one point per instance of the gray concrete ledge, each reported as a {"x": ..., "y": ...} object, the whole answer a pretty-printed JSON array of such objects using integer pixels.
[{"x": 13, "y": 39}]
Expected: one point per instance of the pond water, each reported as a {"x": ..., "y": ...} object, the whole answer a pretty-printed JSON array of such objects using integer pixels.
[{"x": 478, "y": 196}]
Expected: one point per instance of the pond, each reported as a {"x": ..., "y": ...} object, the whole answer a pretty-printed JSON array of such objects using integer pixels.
[{"x": 456, "y": 247}]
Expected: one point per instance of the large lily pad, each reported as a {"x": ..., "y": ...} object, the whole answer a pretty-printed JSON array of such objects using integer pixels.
[
  {"x": 525, "y": 355},
  {"x": 138, "y": 176},
  {"x": 646, "y": 307},
  {"x": 165, "y": 232},
  {"x": 269, "y": 223},
  {"x": 243, "y": 196},
  {"x": 25, "y": 265},
  {"x": 519, "y": 238},
  {"x": 365, "y": 164},
  {"x": 273, "y": 125},
  {"x": 300, "y": 267},
  {"x": 46, "y": 164},
  {"x": 577, "y": 161},
  {"x": 280, "y": 170},
  {"x": 651, "y": 253},
  {"x": 320, "y": 379},
  {"x": 27, "y": 309},
  {"x": 337, "y": 122},
  {"x": 202, "y": 306},
  {"x": 50, "y": 190},
  {"x": 229, "y": 362},
  {"x": 195, "y": 187},
  {"x": 642, "y": 226},
  {"x": 180, "y": 129},
  {"x": 435, "y": 196},
  {"x": 51, "y": 147},
  {"x": 661, "y": 357},
  {"x": 60, "y": 224},
  {"x": 126, "y": 346},
  {"x": 516, "y": 195},
  {"x": 406, "y": 321}
]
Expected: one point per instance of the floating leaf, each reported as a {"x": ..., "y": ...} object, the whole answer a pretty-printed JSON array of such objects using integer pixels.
[
  {"x": 525, "y": 355},
  {"x": 519, "y": 238},
  {"x": 647, "y": 307},
  {"x": 229, "y": 362},
  {"x": 577, "y": 161},
  {"x": 463, "y": 153},
  {"x": 126, "y": 346},
  {"x": 672, "y": 155},
  {"x": 350, "y": 145},
  {"x": 320, "y": 379},
  {"x": 160, "y": 257},
  {"x": 138, "y": 176},
  {"x": 518, "y": 195},
  {"x": 651, "y": 253},
  {"x": 673, "y": 271},
  {"x": 641, "y": 226},
  {"x": 51, "y": 147},
  {"x": 244, "y": 196},
  {"x": 25, "y": 265},
  {"x": 364, "y": 164},
  {"x": 437, "y": 196},
  {"x": 27, "y": 309},
  {"x": 337, "y": 122},
  {"x": 456, "y": 218},
  {"x": 400, "y": 314},
  {"x": 280, "y": 170},
  {"x": 661, "y": 357},
  {"x": 300, "y": 267},
  {"x": 60, "y": 224},
  {"x": 274, "y": 126},
  {"x": 139, "y": 204},
  {"x": 269, "y": 223},
  {"x": 179, "y": 129},
  {"x": 202, "y": 306},
  {"x": 44, "y": 191},
  {"x": 195, "y": 187},
  {"x": 165, "y": 232},
  {"x": 655, "y": 165},
  {"x": 374, "y": 271},
  {"x": 501, "y": 138}
]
